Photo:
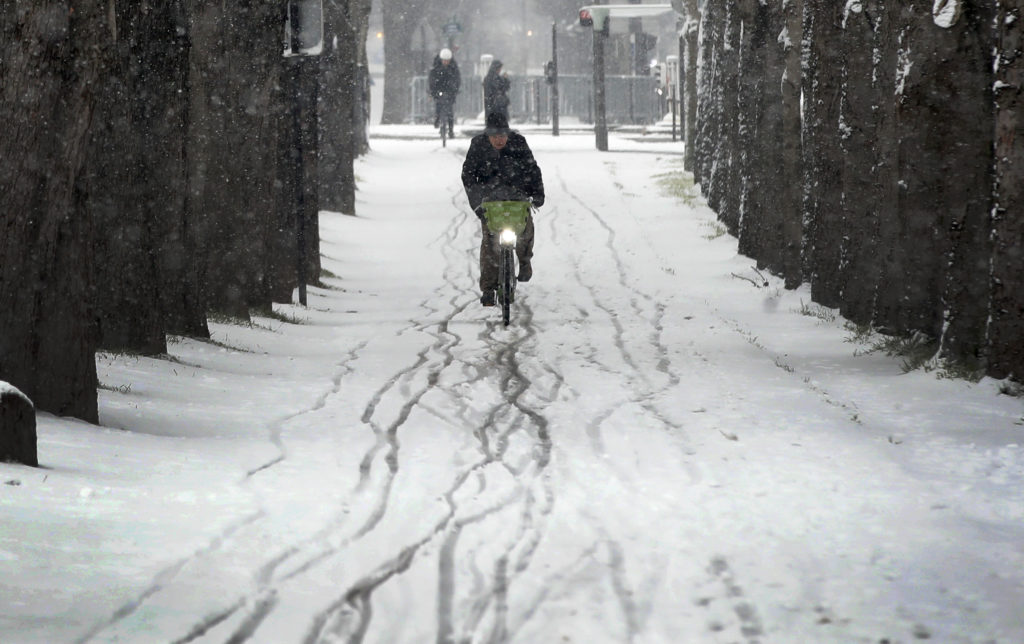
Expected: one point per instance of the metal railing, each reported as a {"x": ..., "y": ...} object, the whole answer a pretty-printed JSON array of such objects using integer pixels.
[{"x": 630, "y": 100}]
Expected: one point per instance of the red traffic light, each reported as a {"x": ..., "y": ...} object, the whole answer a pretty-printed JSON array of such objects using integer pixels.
[{"x": 586, "y": 20}]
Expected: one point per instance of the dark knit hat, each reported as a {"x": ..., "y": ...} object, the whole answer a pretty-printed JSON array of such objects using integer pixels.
[{"x": 496, "y": 124}]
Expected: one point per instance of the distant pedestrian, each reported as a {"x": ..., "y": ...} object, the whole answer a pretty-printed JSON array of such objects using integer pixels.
[{"x": 496, "y": 85}]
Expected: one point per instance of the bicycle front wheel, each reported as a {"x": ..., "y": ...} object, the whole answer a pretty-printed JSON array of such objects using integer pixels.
[{"x": 507, "y": 278}]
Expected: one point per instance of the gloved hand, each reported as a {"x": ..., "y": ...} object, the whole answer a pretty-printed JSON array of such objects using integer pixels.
[
  {"x": 480, "y": 212},
  {"x": 537, "y": 201}
]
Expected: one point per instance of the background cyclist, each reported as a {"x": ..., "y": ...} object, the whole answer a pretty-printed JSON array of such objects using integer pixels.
[{"x": 444, "y": 83}]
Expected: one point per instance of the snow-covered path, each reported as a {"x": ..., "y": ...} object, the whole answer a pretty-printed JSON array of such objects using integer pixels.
[{"x": 655, "y": 450}]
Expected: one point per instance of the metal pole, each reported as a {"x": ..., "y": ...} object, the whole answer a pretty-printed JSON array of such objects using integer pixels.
[
  {"x": 538, "y": 103},
  {"x": 600, "y": 118},
  {"x": 554, "y": 84},
  {"x": 632, "y": 100},
  {"x": 672, "y": 102},
  {"x": 525, "y": 44},
  {"x": 299, "y": 177}
]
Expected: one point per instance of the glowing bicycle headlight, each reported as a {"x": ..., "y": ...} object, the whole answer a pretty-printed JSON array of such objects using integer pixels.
[{"x": 508, "y": 237}]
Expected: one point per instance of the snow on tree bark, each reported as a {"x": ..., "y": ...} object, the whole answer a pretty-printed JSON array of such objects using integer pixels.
[
  {"x": 709, "y": 98},
  {"x": 690, "y": 55},
  {"x": 943, "y": 172},
  {"x": 1006, "y": 328},
  {"x": 751, "y": 155},
  {"x": 17, "y": 427},
  {"x": 724, "y": 180}
]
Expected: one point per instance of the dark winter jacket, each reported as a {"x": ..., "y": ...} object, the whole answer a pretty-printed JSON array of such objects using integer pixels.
[
  {"x": 509, "y": 174},
  {"x": 444, "y": 80},
  {"x": 496, "y": 90}
]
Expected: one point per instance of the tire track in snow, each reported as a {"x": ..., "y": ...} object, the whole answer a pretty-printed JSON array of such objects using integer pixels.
[
  {"x": 166, "y": 577},
  {"x": 656, "y": 319},
  {"x": 646, "y": 390},
  {"x": 265, "y": 596},
  {"x": 350, "y": 615},
  {"x": 849, "y": 408}
]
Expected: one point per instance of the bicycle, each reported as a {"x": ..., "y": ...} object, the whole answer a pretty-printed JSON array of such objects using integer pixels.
[
  {"x": 446, "y": 116},
  {"x": 506, "y": 220}
]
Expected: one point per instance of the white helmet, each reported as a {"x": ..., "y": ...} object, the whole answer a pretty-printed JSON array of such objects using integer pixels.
[{"x": 446, "y": 54}]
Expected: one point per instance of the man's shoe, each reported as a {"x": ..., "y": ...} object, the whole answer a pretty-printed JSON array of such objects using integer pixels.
[
  {"x": 487, "y": 299},
  {"x": 525, "y": 272}
]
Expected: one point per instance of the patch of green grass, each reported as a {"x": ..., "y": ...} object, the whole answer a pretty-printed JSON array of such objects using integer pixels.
[
  {"x": 224, "y": 318},
  {"x": 280, "y": 316},
  {"x": 917, "y": 351},
  {"x": 234, "y": 320},
  {"x": 326, "y": 274},
  {"x": 118, "y": 354},
  {"x": 224, "y": 345},
  {"x": 860, "y": 334},
  {"x": 678, "y": 184},
  {"x": 1015, "y": 389},
  {"x": 716, "y": 230},
  {"x": 969, "y": 371},
  {"x": 122, "y": 389},
  {"x": 823, "y": 313}
]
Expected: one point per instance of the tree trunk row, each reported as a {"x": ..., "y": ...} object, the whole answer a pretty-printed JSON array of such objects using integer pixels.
[
  {"x": 873, "y": 149},
  {"x": 148, "y": 176}
]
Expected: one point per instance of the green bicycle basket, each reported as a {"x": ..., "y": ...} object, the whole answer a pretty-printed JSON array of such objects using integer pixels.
[{"x": 506, "y": 214}]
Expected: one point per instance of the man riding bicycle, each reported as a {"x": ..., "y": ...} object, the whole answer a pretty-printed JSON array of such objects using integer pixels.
[
  {"x": 500, "y": 167},
  {"x": 443, "y": 83}
]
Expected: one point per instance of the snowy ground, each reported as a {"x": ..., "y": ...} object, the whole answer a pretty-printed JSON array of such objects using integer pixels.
[{"x": 655, "y": 451}]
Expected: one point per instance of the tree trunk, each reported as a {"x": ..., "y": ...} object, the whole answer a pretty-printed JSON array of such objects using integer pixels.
[
  {"x": 1006, "y": 326},
  {"x": 751, "y": 156},
  {"x": 709, "y": 97},
  {"x": 51, "y": 57},
  {"x": 135, "y": 183},
  {"x": 234, "y": 70},
  {"x": 791, "y": 167},
  {"x": 963, "y": 92},
  {"x": 184, "y": 312},
  {"x": 934, "y": 146},
  {"x": 768, "y": 192},
  {"x": 724, "y": 180},
  {"x": 888, "y": 296},
  {"x": 823, "y": 160},
  {"x": 339, "y": 103},
  {"x": 691, "y": 43},
  {"x": 858, "y": 277}
]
